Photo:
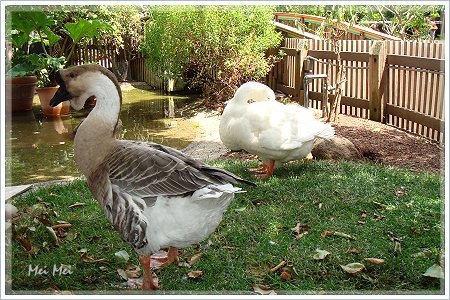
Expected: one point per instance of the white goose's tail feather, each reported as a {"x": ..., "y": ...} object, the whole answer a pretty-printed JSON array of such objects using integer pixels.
[{"x": 327, "y": 132}]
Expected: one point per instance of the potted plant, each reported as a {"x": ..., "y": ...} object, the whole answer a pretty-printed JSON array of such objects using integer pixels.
[
  {"x": 20, "y": 83},
  {"x": 56, "y": 39},
  {"x": 47, "y": 67},
  {"x": 21, "y": 65}
]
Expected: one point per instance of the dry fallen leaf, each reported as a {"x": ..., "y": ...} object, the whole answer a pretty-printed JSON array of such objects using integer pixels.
[
  {"x": 277, "y": 267},
  {"x": 397, "y": 248},
  {"x": 229, "y": 248},
  {"x": 184, "y": 264},
  {"x": 89, "y": 259},
  {"x": 327, "y": 233},
  {"x": 353, "y": 251},
  {"x": 61, "y": 225},
  {"x": 400, "y": 192},
  {"x": 122, "y": 254},
  {"x": 122, "y": 274},
  {"x": 425, "y": 253},
  {"x": 71, "y": 235},
  {"x": 53, "y": 235},
  {"x": 353, "y": 268},
  {"x": 285, "y": 275},
  {"x": 76, "y": 204},
  {"x": 374, "y": 261},
  {"x": 133, "y": 271},
  {"x": 344, "y": 235},
  {"x": 320, "y": 254},
  {"x": 414, "y": 229},
  {"x": 379, "y": 217},
  {"x": 26, "y": 244},
  {"x": 435, "y": 271},
  {"x": 195, "y": 274},
  {"x": 263, "y": 290},
  {"x": 318, "y": 203},
  {"x": 300, "y": 230},
  {"x": 194, "y": 258},
  {"x": 337, "y": 233}
]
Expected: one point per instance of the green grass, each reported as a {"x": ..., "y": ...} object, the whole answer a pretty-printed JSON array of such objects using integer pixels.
[{"x": 369, "y": 202}]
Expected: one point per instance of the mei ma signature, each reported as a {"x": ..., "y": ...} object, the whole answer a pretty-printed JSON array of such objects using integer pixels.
[{"x": 56, "y": 270}]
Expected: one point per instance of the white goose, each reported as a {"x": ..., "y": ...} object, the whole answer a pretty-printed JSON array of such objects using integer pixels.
[
  {"x": 155, "y": 196},
  {"x": 277, "y": 133}
]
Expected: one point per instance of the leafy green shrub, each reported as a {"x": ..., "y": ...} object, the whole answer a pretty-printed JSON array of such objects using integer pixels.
[{"x": 213, "y": 48}]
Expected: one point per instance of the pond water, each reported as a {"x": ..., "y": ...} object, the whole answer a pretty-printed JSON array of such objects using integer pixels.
[{"x": 40, "y": 148}]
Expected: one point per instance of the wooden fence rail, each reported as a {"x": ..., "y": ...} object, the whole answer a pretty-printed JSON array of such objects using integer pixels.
[{"x": 400, "y": 83}]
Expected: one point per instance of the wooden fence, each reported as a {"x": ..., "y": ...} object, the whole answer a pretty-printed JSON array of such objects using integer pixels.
[
  {"x": 104, "y": 56},
  {"x": 400, "y": 83}
]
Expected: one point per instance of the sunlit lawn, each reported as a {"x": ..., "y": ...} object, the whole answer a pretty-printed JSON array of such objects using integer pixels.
[{"x": 388, "y": 221}]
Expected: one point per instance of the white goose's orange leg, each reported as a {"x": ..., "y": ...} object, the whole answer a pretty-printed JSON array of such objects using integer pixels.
[
  {"x": 269, "y": 171},
  {"x": 147, "y": 282},
  {"x": 260, "y": 169}
]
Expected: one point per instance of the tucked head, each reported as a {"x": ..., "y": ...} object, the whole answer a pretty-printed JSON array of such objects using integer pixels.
[
  {"x": 78, "y": 83},
  {"x": 253, "y": 91}
]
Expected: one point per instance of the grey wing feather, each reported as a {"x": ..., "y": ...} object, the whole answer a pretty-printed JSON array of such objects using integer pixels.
[
  {"x": 119, "y": 207},
  {"x": 149, "y": 170}
]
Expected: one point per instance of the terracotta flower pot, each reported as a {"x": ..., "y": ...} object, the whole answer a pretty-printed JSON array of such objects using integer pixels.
[
  {"x": 45, "y": 95},
  {"x": 19, "y": 93}
]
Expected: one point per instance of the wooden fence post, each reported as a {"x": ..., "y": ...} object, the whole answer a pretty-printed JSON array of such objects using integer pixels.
[
  {"x": 302, "y": 53},
  {"x": 377, "y": 63}
]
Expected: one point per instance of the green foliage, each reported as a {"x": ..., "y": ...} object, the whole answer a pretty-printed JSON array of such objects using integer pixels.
[
  {"x": 26, "y": 23},
  {"x": 213, "y": 48},
  {"x": 127, "y": 24},
  {"x": 57, "y": 36},
  {"x": 405, "y": 21},
  {"x": 58, "y": 31},
  {"x": 33, "y": 26},
  {"x": 42, "y": 66},
  {"x": 47, "y": 68},
  {"x": 117, "y": 27}
]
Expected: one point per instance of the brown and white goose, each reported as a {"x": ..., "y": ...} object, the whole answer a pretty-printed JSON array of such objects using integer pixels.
[{"x": 155, "y": 196}]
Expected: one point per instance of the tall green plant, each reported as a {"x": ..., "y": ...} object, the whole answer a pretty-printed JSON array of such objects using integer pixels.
[
  {"x": 214, "y": 48},
  {"x": 127, "y": 23},
  {"x": 168, "y": 40}
]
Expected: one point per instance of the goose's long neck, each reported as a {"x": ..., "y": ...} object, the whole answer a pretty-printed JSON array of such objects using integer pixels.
[{"x": 95, "y": 135}]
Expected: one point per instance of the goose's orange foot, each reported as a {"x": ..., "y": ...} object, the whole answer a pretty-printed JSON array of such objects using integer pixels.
[
  {"x": 163, "y": 258},
  {"x": 260, "y": 169},
  {"x": 268, "y": 172}
]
